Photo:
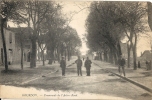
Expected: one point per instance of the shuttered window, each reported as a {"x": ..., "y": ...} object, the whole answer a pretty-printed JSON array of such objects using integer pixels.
[{"x": 10, "y": 37}]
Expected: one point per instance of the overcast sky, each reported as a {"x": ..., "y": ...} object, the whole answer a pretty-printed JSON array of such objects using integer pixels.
[{"x": 80, "y": 11}]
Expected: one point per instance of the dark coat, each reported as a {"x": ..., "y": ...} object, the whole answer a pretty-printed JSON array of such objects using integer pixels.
[
  {"x": 88, "y": 63},
  {"x": 146, "y": 62},
  {"x": 121, "y": 62},
  {"x": 78, "y": 62},
  {"x": 63, "y": 64}
]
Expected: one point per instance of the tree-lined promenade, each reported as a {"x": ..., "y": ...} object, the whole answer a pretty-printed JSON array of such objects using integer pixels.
[
  {"x": 108, "y": 23},
  {"x": 48, "y": 27},
  {"x": 48, "y": 36}
]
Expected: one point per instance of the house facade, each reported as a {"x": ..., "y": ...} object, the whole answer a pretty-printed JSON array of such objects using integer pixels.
[
  {"x": 22, "y": 35},
  {"x": 10, "y": 46},
  {"x": 13, "y": 46},
  {"x": 146, "y": 55},
  {"x": 124, "y": 50}
]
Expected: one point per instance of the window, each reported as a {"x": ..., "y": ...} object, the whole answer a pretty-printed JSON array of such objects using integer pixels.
[{"x": 10, "y": 37}]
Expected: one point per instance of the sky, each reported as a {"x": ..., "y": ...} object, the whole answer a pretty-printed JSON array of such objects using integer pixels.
[{"x": 80, "y": 11}]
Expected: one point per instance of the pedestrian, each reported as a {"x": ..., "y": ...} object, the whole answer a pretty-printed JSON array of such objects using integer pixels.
[
  {"x": 121, "y": 65},
  {"x": 88, "y": 66},
  {"x": 79, "y": 65},
  {"x": 63, "y": 66},
  {"x": 83, "y": 58},
  {"x": 147, "y": 64},
  {"x": 138, "y": 64}
]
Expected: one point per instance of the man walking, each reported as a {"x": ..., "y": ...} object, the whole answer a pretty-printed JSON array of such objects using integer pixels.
[
  {"x": 147, "y": 65},
  {"x": 79, "y": 65},
  {"x": 121, "y": 64},
  {"x": 83, "y": 58},
  {"x": 63, "y": 66},
  {"x": 88, "y": 66}
]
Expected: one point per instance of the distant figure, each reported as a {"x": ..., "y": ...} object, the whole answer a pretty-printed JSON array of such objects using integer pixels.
[
  {"x": 138, "y": 64},
  {"x": 88, "y": 66},
  {"x": 83, "y": 58},
  {"x": 63, "y": 66},
  {"x": 28, "y": 57},
  {"x": 79, "y": 65},
  {"x": 121, "y": 64},
  {"x": 147, "y": 65}
]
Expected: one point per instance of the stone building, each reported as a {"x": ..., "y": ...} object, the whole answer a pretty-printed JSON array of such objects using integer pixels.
[
  {"x": 124, "y": 50},
  {"x": 13, "y": 46},
  {"x": 10, "y": 46},
  {"x": 146, "y": 55},
  {"x": 22, "y": 34}
]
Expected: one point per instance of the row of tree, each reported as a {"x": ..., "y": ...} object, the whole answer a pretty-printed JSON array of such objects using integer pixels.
[
  {"x": 48, "y": 27},
  {"x": 110, "y": 22}
]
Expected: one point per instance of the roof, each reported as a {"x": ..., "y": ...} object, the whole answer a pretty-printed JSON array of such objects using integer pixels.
[
  {"x": 15, "y": 29},
  {"x": 26, "y": 30},
  {"x": 146, "y": 52}
]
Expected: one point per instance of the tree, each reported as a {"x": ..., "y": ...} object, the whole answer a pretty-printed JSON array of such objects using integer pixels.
[
  {"x": 72, "y": 41},
  {"x": 149, "y": 4},
  {"x": 60, "y": 37},
  {"x": 8, "y": 11},
  {"x": 34, "y": 12},
  {"x": 131, "y": 17},
  {"x": 54, "y": 23},
  {"x": 22, "y": 38},
  {"x": 102, "y": 30},
  {"x": 42, "y": 44}
]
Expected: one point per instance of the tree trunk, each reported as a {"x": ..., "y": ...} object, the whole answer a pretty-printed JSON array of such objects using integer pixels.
[
  {"x": 43, "y": 57},
  {"x": 135, "y": 52},
  {"x": 62, "y": 53},
  {"x": 128, "y": 50},
  {"x": 111, "y": 56},
  {"x": 51, "y": 57},
  {"x": 134, "y": 58},
  {"x": 65, "y": 54},
  {"x": 21, "y": 55},
  {"x": 105, "y": 56},
  {"x": 119, "y": 49},
  {"x": 101, "y": 56},
  {"x": 62, "y": 50},
  {"x": 115, "y": 57},
  {"x": 39, "y": 55},
  {"x": 98, "y": 56},
  {"x": 68, "y": 51},
  {"x": 134, "y": 55},
  {"x": 4, "y": 44},
  {"x": 33, "y": 53},
  {"x": 58, "y": 54},
  {"x": 149, "y": 4}
]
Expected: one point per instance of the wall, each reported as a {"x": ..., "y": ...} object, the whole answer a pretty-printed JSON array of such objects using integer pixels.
[{"x": 10, "y": 45}]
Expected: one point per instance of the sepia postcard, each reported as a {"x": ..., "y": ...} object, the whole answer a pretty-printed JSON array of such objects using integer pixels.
[{"x": 75, "y": 49}]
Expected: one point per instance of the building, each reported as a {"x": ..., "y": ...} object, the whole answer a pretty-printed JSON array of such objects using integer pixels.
[
  {"x": 124, "y": 50},
  {"x": 10, "y": 46},
  {"x": 13, "y": 45},
  {"x": 146, "y": 55},
  {"x": 22, "y": 35}
]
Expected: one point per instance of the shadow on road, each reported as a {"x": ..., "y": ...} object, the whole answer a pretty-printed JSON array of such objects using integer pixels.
[
  {"x": 115, "y": 80},
  {"x": 147, "y": 74}
]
